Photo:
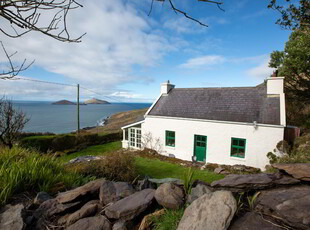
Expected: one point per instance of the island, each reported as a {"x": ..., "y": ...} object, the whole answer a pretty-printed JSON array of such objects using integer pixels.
[
  {"x": 96, "y": 101},
  {"x": 65, "y": 102}
]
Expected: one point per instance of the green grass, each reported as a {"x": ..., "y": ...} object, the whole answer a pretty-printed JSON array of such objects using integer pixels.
[
  {"x": 160, "y": 169},
  {"x": 23, "y": 170},
  {"x": 94, "y": 150},
  {"x": 169, "y": 220}
]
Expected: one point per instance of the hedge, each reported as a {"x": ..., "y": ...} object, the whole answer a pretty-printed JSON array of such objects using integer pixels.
[{"x": 64, "y": 142}]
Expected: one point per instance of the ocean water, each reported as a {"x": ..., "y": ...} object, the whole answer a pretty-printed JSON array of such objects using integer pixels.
[{"x": 45, "y": 117}]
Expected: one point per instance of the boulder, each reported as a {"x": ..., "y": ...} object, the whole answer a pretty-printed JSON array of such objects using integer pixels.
[
  {"x": 290, "y": 205},
  {"x": 145, "y": 183},
  {"x": 148, "y": 219},
  {"x": 248, "y": 182},
  {"x": 120, "y": 225},
  {"x": 212, "y": 211},
  {"x": 41, "y": 197},
  {"x": 89, "y": 209},
  {"x": 111, "y": 192},
  {"x": 53, "y": 207},
  {"x": 91, "y": 223},
  {"x": 167, "y": 180},
  {"x": 89, "y": 190},
  {"x": 197, "y": 192},
  {"x": 300, "y": 171},
  {"x": 254, "y": 221},
  {"x": 170, "y": 195},
  {"x": 131, "y": 206},
  {"x": 11, "y": 217},
  {"x": 218, "y": 170}
]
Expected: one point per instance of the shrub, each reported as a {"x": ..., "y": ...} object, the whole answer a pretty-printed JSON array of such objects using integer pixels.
[
  {"x": 169, "y": 220},
  {"x": 24, "y": 170},
  {"x": 117, "y": 166}
]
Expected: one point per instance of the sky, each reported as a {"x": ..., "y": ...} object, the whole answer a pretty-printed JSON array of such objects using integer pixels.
[{"x": 126, "y": 54}]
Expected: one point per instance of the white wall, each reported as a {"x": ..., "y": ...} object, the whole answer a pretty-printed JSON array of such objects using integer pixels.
[{"x": 259, "y": 141}]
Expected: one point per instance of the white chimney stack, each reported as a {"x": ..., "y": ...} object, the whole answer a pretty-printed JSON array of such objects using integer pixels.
[
  {"x": 275, "y": 87},
  {"x": 166, "y": 87}
]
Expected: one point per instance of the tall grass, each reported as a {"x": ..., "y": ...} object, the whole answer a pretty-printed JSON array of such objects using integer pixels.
[
  {"x": 169, "y": 220},
  {"x": 24, "y": 170}
]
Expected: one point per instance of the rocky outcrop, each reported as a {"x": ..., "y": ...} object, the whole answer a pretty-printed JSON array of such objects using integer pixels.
[
  {"x": 11, "y": 218},
  {"x": 170, "y": 195},
  {"x": 92, "y": 223},
  {"x": 211, "y": 211},
  {"x": 248, "y": 182},
  {"x": 300, "y": 171},
  {"x": 197, "y": 192},
  {"x": 290, "y": 205},
  {"x": 111, "y": 192},
  {"x": 89, "y": 209},
  {"x": 254, "y": 221},
  {"x": 89, "y": 190},
  {"x": 131, "y": 206}
]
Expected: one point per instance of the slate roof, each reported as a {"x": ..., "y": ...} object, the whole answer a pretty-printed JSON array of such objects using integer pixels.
[{"x": 237, "y": 104}]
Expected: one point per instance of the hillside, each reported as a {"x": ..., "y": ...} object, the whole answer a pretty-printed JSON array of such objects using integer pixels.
[
  {"x": 63, "y": 102},
  {"x": 116, "y": 121},
  {"x": 96, "y": 101}
]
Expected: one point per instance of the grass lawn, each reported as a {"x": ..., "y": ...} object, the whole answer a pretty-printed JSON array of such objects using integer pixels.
[
  {"x": 94, "y": 151},
  {"x": 151, "y": 167},
  {"x": 159, "y": 169}
]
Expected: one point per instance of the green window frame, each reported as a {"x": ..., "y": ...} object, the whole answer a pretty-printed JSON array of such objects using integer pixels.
[
  {"x": 238, "y": 147},
  {"x": 170, "y": 138}
]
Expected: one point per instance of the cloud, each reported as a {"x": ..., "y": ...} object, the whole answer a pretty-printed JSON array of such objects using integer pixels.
[
  {"x": 183, "y": 25},
  {"x": 117, "y": 39},
  {"x": 261, "y": 71},
  {"x": 122, "y": 94},
  {"x": 203, "y": 61}
]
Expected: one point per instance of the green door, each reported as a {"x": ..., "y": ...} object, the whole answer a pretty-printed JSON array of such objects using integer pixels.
[{"x": 200, "y": 147}]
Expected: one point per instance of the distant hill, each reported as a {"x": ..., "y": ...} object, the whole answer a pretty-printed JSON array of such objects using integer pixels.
[
  {"x": 65, "y": 102},
  {"x": 96, "y": 101}
]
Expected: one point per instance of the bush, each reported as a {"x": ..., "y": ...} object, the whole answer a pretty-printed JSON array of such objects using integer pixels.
[
  {"x": 54, "y": 143},
  {"x": 117, "y": 166},
  {"x": 24, "y": 170}
]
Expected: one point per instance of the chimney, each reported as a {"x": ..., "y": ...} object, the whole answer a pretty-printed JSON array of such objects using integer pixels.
[
  {"x": 275, "y": 87},
  {"x": 165, "y": 88}
]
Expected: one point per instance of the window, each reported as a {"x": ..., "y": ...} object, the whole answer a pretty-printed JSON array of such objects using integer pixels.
[
  {"x": 138, "y": 138},
  {"x": 170, "y": 138},
  {"x": 237, "y": 147},
  {"x": 132, "y": 138}
]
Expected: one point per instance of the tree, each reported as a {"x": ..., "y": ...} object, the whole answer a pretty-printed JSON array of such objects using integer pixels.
[
  {"x": 294, "y": 16},
  {"x": 294, "y": 64},
  {"x": 12, "y": 122}
]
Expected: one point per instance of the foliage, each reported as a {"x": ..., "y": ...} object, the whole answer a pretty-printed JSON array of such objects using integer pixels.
[
  {"x": 188, "y": 180},
  {"x": 294, "y": 16},
  {"x": 160, "y": 169},
  {"x": 252, "y": 199},
  {"x": 169, "y": 220},
  {"x": 67, "y": 142},
  {"x": 12, "y": 122},
  {"x": 116, "y": 166},
  {"x": 24, "y": 170}
]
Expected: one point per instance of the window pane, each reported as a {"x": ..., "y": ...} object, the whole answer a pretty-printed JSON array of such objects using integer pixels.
[
  {"x": 241, "y": 143},
  {"x": 235, "y": 142}
]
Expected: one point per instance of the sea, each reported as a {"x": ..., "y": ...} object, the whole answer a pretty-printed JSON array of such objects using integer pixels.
[{"x": 46, "y": 117}]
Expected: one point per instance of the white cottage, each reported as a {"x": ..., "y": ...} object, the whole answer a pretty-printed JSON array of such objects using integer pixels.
[{"x": 233, "y": 125}]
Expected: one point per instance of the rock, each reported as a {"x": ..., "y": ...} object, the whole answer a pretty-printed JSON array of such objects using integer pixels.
[
  {"x": 52, "y": 207},
  {"x": 254, "y": 221},
  {"x": 91, "y": 223},
  {"x": 290, "y": 205},
  {"x": 300, "y": 171},
  {"x": 89, "y": 190},
  {"x": 197, "y": 192},
  {"x": 249, "y": 182},
  {"x": 111, "y": 192},
  {"x": 120, "y": 225},
  {"x": 11, "y": 217},
  {"x": 41, "y": 197},
  {"x": 147, "y": 220},
  {"x": 170, "y": 195},
  {"x": 218, "y": 170},
  {"x": 167, "y": 180},
  {"x": 212, "y": 211},
  {"x": 131, "y": 206},
  {"x": 86, "y": 211},
  {"x": 85, "y": 159},
  {"x": 145, "y": 183}
]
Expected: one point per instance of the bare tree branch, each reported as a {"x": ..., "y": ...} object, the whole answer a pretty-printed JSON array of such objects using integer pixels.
[{"x": 12, "y": 69}]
